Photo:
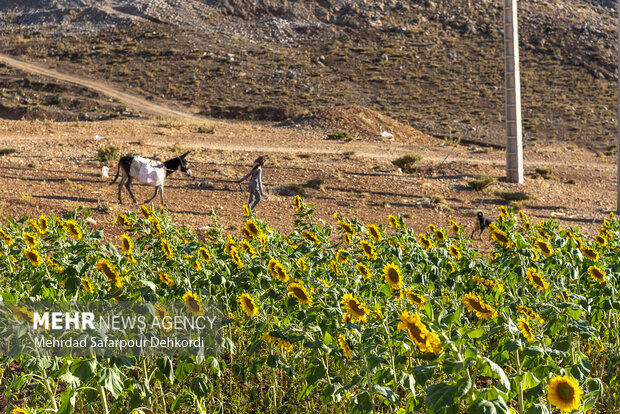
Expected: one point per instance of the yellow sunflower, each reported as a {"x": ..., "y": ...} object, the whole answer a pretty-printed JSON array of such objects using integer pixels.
[
  {"x": 58, "y": 268},
  {"x": 165, "y": 278},
  {"x": 277, "y": 270},
  {"x": 126, "y": 244},
  {"x": 345, "y": 225},
  {"x": 342, "y": 256},
  {"x": 247, "y": 247},
  {"x": 454, "y": 252},
  {"x": 393, "y": 221},
  {"x": 204, "y": 254},
  {"x": 155, "y": 223},
  {"x": 522, "y": 215},
  {"x": 252, "y": 229},
  {"x": 393, "y": 275},
  {"x": 356, "y": 309},
  {"x": 374, "y": 232},
  {"x": 590, "y": 253},
  {"x": 73, "y": 229},
  {"x": 536, "y": 278},
  {"x": 347, "y": 238},
  {"x": 302, "y": 265},
  {"x": 87, "y": 285},
  {"x": 195, "y": 265},
  {"x": 450, "y": 266},
  {"x": 455, "y": 227},
  {"x": 122, "y": 220},
  {"x": 35, "y": 226},
  {"x": 597, "y": 273},
  {"x": 248, "y": 305},
  {"x": 33, "y": 256},
  {"x": 432, "y": 228},
  {"x": 426, "y": 340},
  {"x": 110, "y": 271},
  {"x": 500, "y": 236},
  {"x": 530, "y": 313},
  {"x": 299, "y": 204},
  {"x": 192, "y": 304},
  {"x": 544, "y": 247},
  {"x": 415, "y": 298},
  {"x": 18, "y": 410},
  {"x": 364, "y": 271},
  {"x": 279, "y": 342},
  {"x": 230, "y": 242},
  {"x": 334, "y": 267},
  {"x": 347, "y": 351},
  {"x": 145, "y": 211},
  {"x": 299, "y": 292},
  {"x": 308, "y": 235},
  {"x": 425, "y": 241},
  {"x": 30, "y": 239},
  {"x": 166, "y": 248},
  {"x": 234, "y": 256},
  {"x": 6, "y": 237},
  {"x": 368, "y": 249},
  {"x": 246, "y": 211},
  {"x": 440, "y": 234},
  {"x": 602, "y": 241},
  {"x": 564, "y": 393},
  {"x": 526, "y": 329},
  {"x": 477, "y": 305}
]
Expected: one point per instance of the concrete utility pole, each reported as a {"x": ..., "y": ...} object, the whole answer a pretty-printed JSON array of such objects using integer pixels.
[{"x": 514, "y": 135}]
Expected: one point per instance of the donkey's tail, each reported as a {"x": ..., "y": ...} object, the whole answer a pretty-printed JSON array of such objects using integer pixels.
[{"x": 118, "y": 170}]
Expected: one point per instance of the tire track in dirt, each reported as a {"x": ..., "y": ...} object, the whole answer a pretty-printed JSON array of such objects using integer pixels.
[{"x": 131, "y": 100}]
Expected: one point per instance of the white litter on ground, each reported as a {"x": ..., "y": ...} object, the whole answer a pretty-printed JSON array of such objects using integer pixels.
[
  {"x": 104, "y": 171},
  {"x": 386, "y": 134}
]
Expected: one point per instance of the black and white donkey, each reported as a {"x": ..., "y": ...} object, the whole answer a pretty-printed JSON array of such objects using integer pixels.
[{"x": 130, "y": 172}]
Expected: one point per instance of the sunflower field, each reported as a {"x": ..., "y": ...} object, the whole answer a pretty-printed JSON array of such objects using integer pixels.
[{"x": 331, "y": 318}]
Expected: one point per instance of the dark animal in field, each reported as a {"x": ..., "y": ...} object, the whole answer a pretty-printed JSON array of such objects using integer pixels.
[
  {"x": 483, "y": 223},
  {"x": 143, "y": 170}
]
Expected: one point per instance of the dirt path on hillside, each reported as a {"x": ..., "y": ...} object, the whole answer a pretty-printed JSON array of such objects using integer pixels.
[
  {"x": 361, "y": 149},
  {"x": 53, "y": 171},
  {"x": 131, "y": 100}
]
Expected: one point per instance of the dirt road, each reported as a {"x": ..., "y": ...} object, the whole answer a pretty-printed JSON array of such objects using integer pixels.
[{"x": 133, "y": 101}]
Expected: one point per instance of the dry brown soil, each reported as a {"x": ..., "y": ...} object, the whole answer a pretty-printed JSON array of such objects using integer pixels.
[{"x": 54, "y": 172}]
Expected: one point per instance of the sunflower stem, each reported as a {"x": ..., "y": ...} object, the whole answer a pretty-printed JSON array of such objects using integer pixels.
[
  {"x": 104, "y": 401},
  {"x": 520, "y": 384},
  {"x": 46, "y": 383}
]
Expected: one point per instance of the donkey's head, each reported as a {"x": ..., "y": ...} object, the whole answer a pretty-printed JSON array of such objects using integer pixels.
[
  {"x": 184, "y": 166},
  {"x": 178, "y": 164}
]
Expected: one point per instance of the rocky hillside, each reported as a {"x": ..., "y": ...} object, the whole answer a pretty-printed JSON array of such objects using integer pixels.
[{"x": 435, "y": 64}]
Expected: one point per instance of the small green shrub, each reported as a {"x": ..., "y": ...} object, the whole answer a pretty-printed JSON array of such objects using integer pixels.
[
  {"x": 480, "y": 182},
  {"x": 205, "y": 130},
  {"x": 407, "y": 162},
  {"x": 544, "y": 172},
  {"x": 512, "y": 195},
  {"x": 107, "y": 153},
  {"x": 339, "y": 136}
]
